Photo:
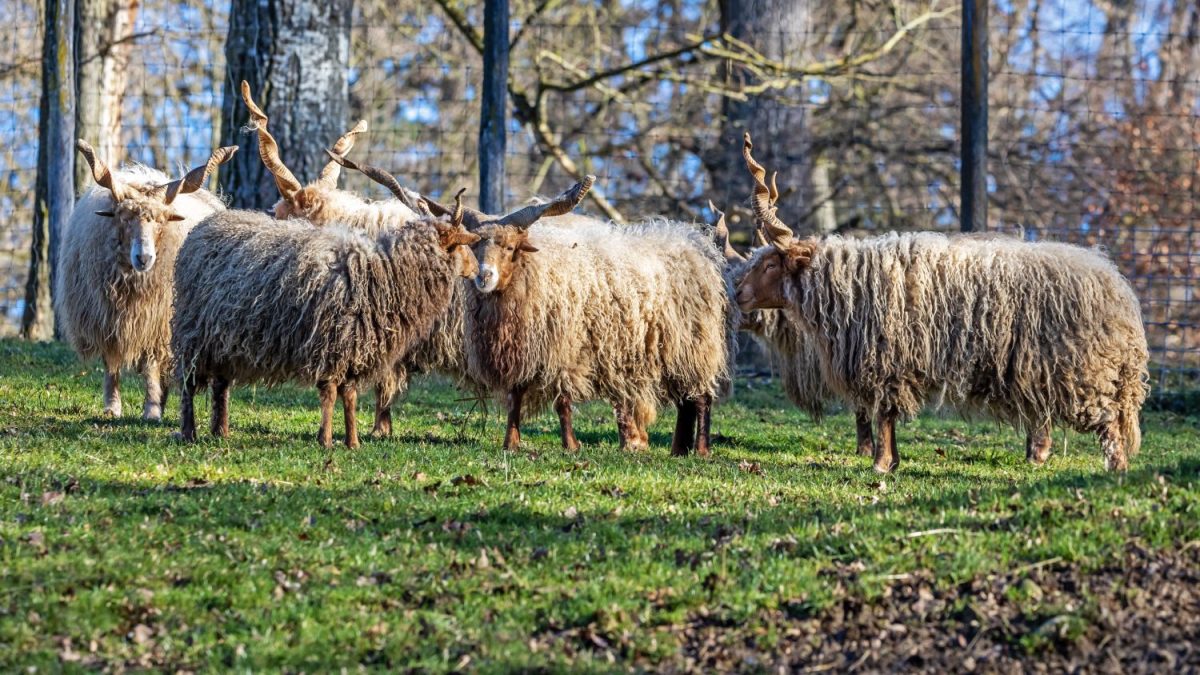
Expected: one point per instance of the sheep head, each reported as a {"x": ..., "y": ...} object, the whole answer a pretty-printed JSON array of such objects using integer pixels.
[
  {"x": 457, "y": 240},
  {"x": 505, "y": 241},
  {"x": 142, "y": 213},
  {"x": 771, "y": 267},
  {"x": 297, "y": 201}
]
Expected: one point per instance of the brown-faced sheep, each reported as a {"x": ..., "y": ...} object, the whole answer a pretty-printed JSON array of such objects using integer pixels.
[
  {"x": 795, "y": 357},
  {"x": 634, "y": 315},
  {"x": 444, "y": 351},
  {"x": 116, "y": 269},
  {"x": 1030, "y": 333},
  {"x": 272, "y": 301}
]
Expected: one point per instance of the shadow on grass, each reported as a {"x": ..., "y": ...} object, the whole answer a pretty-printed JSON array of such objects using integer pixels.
[{"x": 200, "y": 505}]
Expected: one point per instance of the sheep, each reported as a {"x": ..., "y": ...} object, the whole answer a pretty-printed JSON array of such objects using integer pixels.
[
  {"x": 322, "y": 203},
  {"x": 267, "y": 300},
  {"x": 1030, "y": 333},
  {"x": 444, "y": 350},
  {"x": 633, "y": 315},
  {"x": 795, "y": 357},
  {"x": 116, "y": 269}
]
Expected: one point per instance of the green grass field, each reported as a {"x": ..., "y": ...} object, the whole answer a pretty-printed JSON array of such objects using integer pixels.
[{"x": 438, "y": 550}]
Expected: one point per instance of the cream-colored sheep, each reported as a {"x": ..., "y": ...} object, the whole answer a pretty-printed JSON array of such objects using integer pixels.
[
  {"x": 1030, "y": 333},
  {"x": 116, "y": 270}
]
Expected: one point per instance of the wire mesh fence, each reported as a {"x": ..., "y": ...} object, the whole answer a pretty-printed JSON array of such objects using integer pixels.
[{"x": 1094, "y": 122}]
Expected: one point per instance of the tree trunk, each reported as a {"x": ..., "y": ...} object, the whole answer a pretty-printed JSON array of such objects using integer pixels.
[
  {"x": 55, "y": 186},
  {"x": 295, "y": 54},
  {"x": 102, "y": 51},
  {"x": 776, "y": 118}
]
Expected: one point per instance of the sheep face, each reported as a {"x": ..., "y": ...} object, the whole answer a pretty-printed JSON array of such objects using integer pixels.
[
  {"x": 140, "y": 221},
  {"x": 143, "y": 213},
  {"x": 499, "y": 252},
  {"x": 306, "y": 204},
  {"x": 771, "y": 269},
  {"x": 457, "y": 242}
]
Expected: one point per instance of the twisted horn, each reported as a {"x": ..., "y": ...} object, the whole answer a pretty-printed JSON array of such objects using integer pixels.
[
  {"x": 195, "y": 179},
  {"x": 721, "y": 236},
  {"x": 382, "y": 177},
  {"x": 100, "y": 171},
  {"x": 329, "y": 174},
  {"x": 761, "y": 200},
  {"x": 562, "y": 204},
  {"x": 268, "y": 149}
]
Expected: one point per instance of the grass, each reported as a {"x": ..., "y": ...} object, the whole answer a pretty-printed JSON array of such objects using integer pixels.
[{"x": 438, "y": 550}]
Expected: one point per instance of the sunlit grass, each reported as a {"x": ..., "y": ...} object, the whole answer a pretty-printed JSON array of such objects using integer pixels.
[{"x": 265, "y": 551}]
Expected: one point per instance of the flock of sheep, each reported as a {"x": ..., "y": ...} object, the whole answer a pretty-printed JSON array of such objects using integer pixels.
[{"x": 546, "y": 307}]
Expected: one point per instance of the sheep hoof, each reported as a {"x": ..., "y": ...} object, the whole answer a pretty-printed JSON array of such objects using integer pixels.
[
  {"x": 179, "y": 437},
  {"x": 379, "y": 433},
  {"x": 888, "y": 468},
  {"x": 152, "y": 412},
  {"x": 113, "y": 411},
  {"x": 866, "y": 450}
]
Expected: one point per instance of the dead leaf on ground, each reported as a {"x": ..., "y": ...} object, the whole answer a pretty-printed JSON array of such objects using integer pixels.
[
  {"x": 51, "y": 498},
  {"x": 751, "y": 467},
  {"x": 469, "y": 480}
]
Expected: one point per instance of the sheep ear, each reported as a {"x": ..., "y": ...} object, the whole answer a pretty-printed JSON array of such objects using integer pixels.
[
  {"x": 798, "y": 255},
  {"x": 175, "y": 218},
  {"x": 105, "y": 214},
  {"x": 525, "y": 247}
]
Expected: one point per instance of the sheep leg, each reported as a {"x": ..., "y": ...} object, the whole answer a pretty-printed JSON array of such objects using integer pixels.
[
  {"x": 685, "y": 428},
  {"x": 630, "y": 427},
  {"x": 625, "y": 429},
  {"x": 1114, "y": 448},
  {"x": 703, "y": 424},
  {"x": 152, "y": 408},
  {"x": 512, "y": 435},
  {"x": 112, "y": 389},
  {"x": 386, "y": 393},
  {"x": 1037, "y": 445},
  {"x": 327, "y": 393},
  {"x": 349, "y": 394},
  {"x": 187, "y": 408},
  {"x": 562, "y": 406},
  {"x": 383, "y": 412},
  {"x": 218, "y": 425},
  {"x": 866, "y": 441},
  {"x": 887, "y": 457}
]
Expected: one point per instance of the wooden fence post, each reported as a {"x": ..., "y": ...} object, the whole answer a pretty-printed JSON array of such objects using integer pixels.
[
  {"x": 973, "y": 213},
  {"x": 494, "y": 106}
]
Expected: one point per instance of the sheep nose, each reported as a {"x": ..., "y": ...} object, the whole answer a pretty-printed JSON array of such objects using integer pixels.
[{"x": 144, "y": 261}]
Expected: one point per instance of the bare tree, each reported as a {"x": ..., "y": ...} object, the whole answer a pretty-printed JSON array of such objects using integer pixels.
[
  {"x": 55, "y": 174},
  {"x": 295, "y": 55},
  {"x": 104, "y": 38}
]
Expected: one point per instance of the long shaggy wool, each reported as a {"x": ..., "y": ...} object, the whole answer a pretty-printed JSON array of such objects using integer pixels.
[
  {"x": 797, "y": 360},
  {"x": 323, "y": 205},
  {"x": 271, "y": 301},
  {"x": 442, "y": 350},
  {"x": 1030, "y": 333},
  {"x": 107, "y": 309},
  {"x": 628, "y": 314}
]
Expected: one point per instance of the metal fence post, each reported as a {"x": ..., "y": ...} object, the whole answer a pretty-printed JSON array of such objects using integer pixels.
[
  {"x": 973, "y": 208},
  {"x": 493, "y": 108}
]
